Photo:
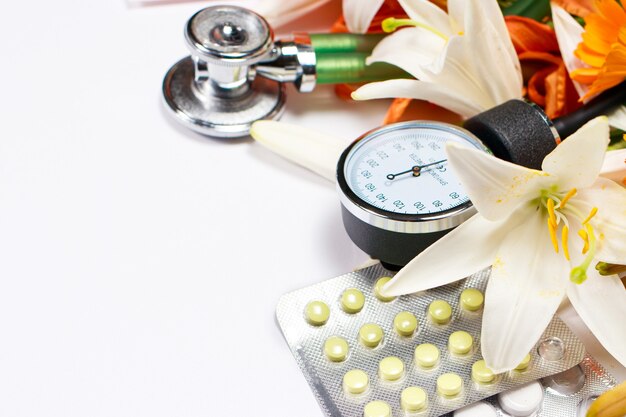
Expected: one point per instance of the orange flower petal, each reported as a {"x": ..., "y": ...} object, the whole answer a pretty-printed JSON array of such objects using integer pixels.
[
  {"x": 576, "y": 7},
  {"x": 612, "y": 10},
  {"x": 529, "y": 35}
]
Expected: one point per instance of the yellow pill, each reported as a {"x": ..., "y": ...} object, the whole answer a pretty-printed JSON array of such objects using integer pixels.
[
  {"x": 405, "y": 323},
  {"x": 449, "y": 385},
  {"x": 440, "y": 311},
  {"x": 355, "y": 382},
  {"x": 482, "y": 374},
  {"x": 426, "y": 355},
  {"x": 377, "y": 409},
  {"x": 378, "y": 290},
  {"x": 524, "y": 363},
  {"x": 352, "y": 301},
  {"x": 472, "y": 299},
  {"x": 336, "y": 349},
  {"x": 391, "y": 368},
  {"x": 317, "y": 313},
  {"x": 371, "y": 334},
  {"x": 413, "y": 399},
  {"x": 460, "y": 342}
]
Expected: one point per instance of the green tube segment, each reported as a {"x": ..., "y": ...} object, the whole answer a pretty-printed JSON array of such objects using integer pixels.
[
  {"x": 349, "y": 68},
  {"x": 336, "y": 43}
]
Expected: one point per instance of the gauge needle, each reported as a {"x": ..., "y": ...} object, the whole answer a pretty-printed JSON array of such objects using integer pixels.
[{"x": 416, "y": 170}]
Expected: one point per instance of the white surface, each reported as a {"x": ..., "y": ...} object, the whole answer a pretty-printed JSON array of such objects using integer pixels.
[{"x": 140, "y": 263}]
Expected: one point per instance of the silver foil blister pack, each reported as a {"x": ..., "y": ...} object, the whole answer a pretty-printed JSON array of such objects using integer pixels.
[
  {"x": 566, "y": 394},
  {"x": 326, "y": 377}
]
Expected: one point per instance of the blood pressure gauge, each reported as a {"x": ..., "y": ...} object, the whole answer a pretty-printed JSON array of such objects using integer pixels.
[{"x": 398, "y": 192}]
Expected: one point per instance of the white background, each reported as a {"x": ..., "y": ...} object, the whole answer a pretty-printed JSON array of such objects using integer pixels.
[{"x": 140, "y": 263}]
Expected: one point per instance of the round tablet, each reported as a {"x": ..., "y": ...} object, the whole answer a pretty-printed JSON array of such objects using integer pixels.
[
  {"x": 482, "y": 374},
  {"x": 413, "y": 399},
  {"x": 471, "y": 299},
  {"x": 524, "y": 363},
  {"x": 336, "y": 349},
  {"x": 377, "y": 409},
  {"x": 317, "y": 313},
  {"x": 522, "y": 401},
  {"x": 479, "y": 409},
  {"x": 371, "y": 334},
  {"x": 352, "y": 300},
  {"x": 460, "y": 342},
  {"x": 449, "y": 385},
  {"x": 426, "y": 355},
  {"x": 391, "y": 368},
  {"x": 405, "y": 323},
  {"x": 440, "y": 311},
  {"x": 378, "y": 290},
  {"x": 355, "y": 382}
]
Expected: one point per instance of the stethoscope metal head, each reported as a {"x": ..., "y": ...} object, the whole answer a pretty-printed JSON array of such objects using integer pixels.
[{"x": 215, "y": 91}]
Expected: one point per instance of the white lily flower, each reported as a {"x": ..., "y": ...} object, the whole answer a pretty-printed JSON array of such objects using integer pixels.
[
  {"x": 569, "y": 33},
  {"x": 358, "y": 13},
  {"x": 542, "y": 232},
  {"x": 463, "y": 61}
]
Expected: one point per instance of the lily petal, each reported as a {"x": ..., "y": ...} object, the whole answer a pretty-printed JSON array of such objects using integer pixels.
[
  {"x": 360, "y": 13},
  {"x": 432, "y": 268},
  {"x": 569, "y": 33},
  {"x": 600, "y": 302},
  {"x": 279, "y": 12},
  {"x": 523, "y": 282},
  {"x": 481, "y": 22},
  {"x": 313, "y": 150},
  {"x": 439, "y": 94},
  {"x": 424, "y": 11},
  {"x": 610, "y": 220},
  {"x": 617, "y": 118},
  {"x": 614, "y": 166},
  {"x": 577, "y": 161},
  {"x": 410, "y": 49},
  {"x": 496, "y": 187}
]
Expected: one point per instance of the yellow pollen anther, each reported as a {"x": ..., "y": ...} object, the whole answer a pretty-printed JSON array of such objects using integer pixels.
[
  {"x": 552, "y": 230},
  {"x": 569, "y": 195},
  {"x": 564, "y": 235},
  {"x": 550, "y": 204},
  {"x": 585, "y": 237},
  {"x": 591, "y": 214}
]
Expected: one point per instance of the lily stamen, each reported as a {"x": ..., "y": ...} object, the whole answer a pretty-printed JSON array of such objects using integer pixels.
[
  {"x": 552, "y": 230},
  {"x": 391, "y": 24},
  {"x": 550, "y": 206},
  {"x": 583, "y": 235},
  {"x": 564, "y": 236},
  {"x": 578, "y": 275},
  {"x": 569, "y": 195},
  {"x": 591, "y": 214}
]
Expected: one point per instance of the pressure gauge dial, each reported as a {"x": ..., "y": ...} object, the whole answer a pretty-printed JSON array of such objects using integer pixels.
[{"x": 397, "y": 190}]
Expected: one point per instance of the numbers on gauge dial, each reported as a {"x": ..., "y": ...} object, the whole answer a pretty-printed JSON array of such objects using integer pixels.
[{"x": 406, "y": 172}]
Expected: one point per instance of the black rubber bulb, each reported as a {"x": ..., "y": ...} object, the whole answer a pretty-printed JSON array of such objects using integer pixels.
[{"x": 521, "y": 132}]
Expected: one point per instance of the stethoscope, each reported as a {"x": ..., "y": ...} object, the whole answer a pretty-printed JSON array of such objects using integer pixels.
[
  {"x": 236, "y": 73},
  {"x": 397, "y": 194}
]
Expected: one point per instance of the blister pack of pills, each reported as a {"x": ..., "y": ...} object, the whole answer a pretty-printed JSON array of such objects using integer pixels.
[
  {"x": 566, "y": 394},
  {"x": 364, "y": 354}
]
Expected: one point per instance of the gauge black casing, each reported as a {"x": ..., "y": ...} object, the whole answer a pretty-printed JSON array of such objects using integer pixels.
[{"x": 391, "y": 245}]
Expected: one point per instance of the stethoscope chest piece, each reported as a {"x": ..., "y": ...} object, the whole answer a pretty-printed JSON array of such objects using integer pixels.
[{"x": 214, "y": 91}]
